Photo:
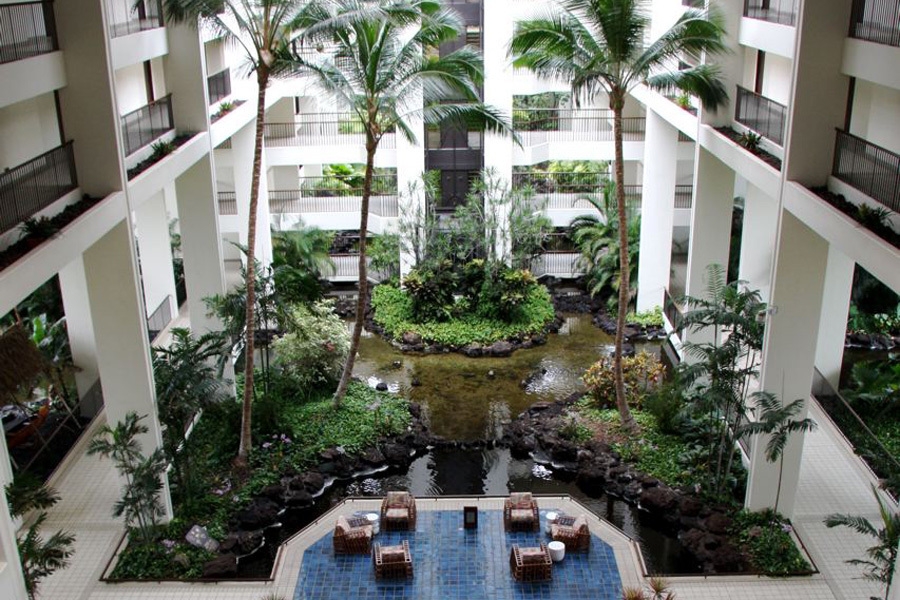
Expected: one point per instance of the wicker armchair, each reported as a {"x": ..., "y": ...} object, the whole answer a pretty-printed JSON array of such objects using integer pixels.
[
  {"x": 573, "y": 532},
  {"x": 392, "y": 562},
  {"x": 398, "y": 512},
  {"x": 520, "y": 513},
  {"x": 531, "y": 564},
  {"x": 352, "y": 536}
]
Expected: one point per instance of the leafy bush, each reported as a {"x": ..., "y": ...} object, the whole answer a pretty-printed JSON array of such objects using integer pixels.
[
  {"x": 171, "y": 558},
  {"x": 394, "y": 313},
  {"x": 574, "y": 430},
  {"x": 647, "y": 318},
  {"x": 161, "y": 149},
  {"x": 514, "y": 288},
  {"x": 765, "y": 535},
  {"x": 666, "y": 405},
  {"x": 642, "y": 373},
  {"x": 314, "y": 349},
  {"x": 750, "y": 141},
  {"x": 431, "y": 292}
]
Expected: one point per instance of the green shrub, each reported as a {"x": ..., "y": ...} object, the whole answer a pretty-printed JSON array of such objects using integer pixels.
[
  {"x": 642, "y": 373},
  {"x": 314, "y": 349},
  {"x": 750, "y": 141},
  {"x": 648, "y": 318},
  {"x": 666, "y": 404},
  {"x": 431, "y": 291},
  {"x": 161, "y": 149},
  {"x": 574, "y": 430},
  {"x": 765, "y": 535}
]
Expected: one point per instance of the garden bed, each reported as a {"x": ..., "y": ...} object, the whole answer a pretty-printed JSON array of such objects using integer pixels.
[
  {"x": 735, "y": 137},
  {"x": 875, "y": 225},
  {"x": 474, "y": 335},
  {"x": 157, "y": 156},
  {"x": 222, "y": 112}
]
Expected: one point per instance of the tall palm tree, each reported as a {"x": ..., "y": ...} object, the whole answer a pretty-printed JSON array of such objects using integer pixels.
[
  {"x": 598, "y": 46},
  {"x": 264, "y": 30},
  {"x": 389, "y": 73}
]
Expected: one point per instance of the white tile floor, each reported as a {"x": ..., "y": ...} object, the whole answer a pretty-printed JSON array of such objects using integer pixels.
[{"x": 831, "y": 480}]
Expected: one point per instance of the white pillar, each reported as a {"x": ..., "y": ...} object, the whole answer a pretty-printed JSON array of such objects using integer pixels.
[
  {"x": 657, "y": 211},
  {"x": 498, "y": 88},
  {"x": 242, "y": 152},
  {"x": 835, "y": 311},
  {"x": 11, "y": 580},
  {"x": 758, "y": 240},
  {"x": 895, "y": 582},
  {"x": 410, "y": 168},
  {"x": 201, "y": 243},
  {"x": 120, "y": 329},
  {"x": 788, "y": 355},
  {"x": 79, "y": 325},
  {"x": 155, "y": 254}
]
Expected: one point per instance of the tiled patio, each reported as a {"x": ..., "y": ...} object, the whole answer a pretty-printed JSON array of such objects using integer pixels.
[{"x": 451, "y": 563}]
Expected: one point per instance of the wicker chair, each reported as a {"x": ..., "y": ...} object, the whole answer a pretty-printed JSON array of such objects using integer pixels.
[
  {"x": 573, "y": 532},
  {"x": 531, "y": 564},
  {"x": 520, "y": 513},
  {"x": 352, "y": 536},
  {"x": 398, "y": 512},
  {"x": 392, "y": 562}
]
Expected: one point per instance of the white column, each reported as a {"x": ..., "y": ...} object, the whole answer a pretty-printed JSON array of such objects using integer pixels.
[
  {"x": 895, "y": 582},
  {"x": 201, "y": 243},
  {"x": 155, "y": 254},
  {"x": 79, "y": 325},
  {"x": 242, "y": 153},
  {"x": 498, "y": 87},
  {"x": 410, "y": 167},
  {"x": 120, "y": 329},
  {"x": 758, "y": 240},
  {"x": 11, "y": 580},
  {"x": 788, "y": 355},
  {"x": 835, "y": 311},
  {"x": 657, "y": 211}
]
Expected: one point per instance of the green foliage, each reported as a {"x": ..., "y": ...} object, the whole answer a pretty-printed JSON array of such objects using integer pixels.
[
  {"x": 647, "y": 318},
  {"x": 313, "y": 350},
  {"x": 643, "y": 373},
  {"x": 299, "y": 257},
  {"x": 27, "y": 493},
  {"x": 431, "y": 292},
  {"x": 384, "y": 250},
  {"x": 140, "y": 504},
  {"x": 881, "y": 558},
  {"x": 171, "y": 558},
  {"x": 750, "y": 141},
  {"x": 574, "y": 430},
  {"x": 161, "y": 149},
  {"x": 874, "y": 307},
  {"x": 765, "y": 536},
  {"x": 39, "y": 228},
  {"x": 667, "y": 405},
  {"x": 224, "y": 108},
  {"x": 394, "y": 312}
]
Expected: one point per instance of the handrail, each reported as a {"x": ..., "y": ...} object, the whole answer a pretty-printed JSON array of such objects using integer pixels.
[
  {"x": 783, "y": 12},
  {"x": 159, "y": 318},
  {"x": 763, "y": 115},
  {"x": 127, "y": 16},
  {"x": 219, "y": 86},
  {"x": 227, "y": 203},
  {"x": 28, "y": 29},
  {"x": 873, "y": 170},
  {"x": 316, "y": 129},
  {"x": 876, "y": 21},
  {"x": 36, "y": 184},
  {"x": 147, "y": 123}
]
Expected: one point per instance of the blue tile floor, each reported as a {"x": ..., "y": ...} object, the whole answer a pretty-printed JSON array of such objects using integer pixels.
[{"x": 450, "y": 563}]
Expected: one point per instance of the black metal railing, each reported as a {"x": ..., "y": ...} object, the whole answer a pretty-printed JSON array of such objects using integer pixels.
[
  {"x": 149, "y": 122},
  {"x": 227, "y": 203},
  {"x": 684, "y": 195},
  {"x": 160, "y": 317},
  {"x": 26, "y": 29},
  {"x": 127, "y": 16},
  {"x": 873, "y": 170},
  {"x": 540, "y": 125},
  {"x": 764, "y": 116},
  {"x": 783, "y": 12},
  {"x": 312, "y": 129},
  {"x": 332, "y": 194},
  {"x": 219, "y": 86},
  {"x": 876, "y": 21},
  {"x": 671, "y": 310},
  {"x": 563, "y": 191},
  {"x": 35, "y": 185}
]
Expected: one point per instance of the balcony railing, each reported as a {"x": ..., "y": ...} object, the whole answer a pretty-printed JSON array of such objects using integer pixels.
[
  {"x": 345, "y": 267},
  {"x": 227, "y": 203},
  {"x": 149, "y": 122},
  {"x": 35, "y": 185},
  {"x": 873, "y": 170},
  {"x": 330, "y": 194},
  {"x": 160, "y": 317},
  {"x": 26, "y": 29},
  {"x": 542, "y": 125},
  {"x": 322, "y": 129},
  {"x": 760, "y": 114},
  {"x": 219, "y": 86},
  {"x": 783, "y": 12},
  {"x": 671, "y": 310},
  {"x": 557, "y": 264},
  {"x": 876, "y": 21},
  {"x": 684, "y": 196},
  {"x": 127, "y": 16}
]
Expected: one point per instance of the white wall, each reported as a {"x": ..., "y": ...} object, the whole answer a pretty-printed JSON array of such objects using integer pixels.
[
  {"x": 131, "y": 90},
  {"x": 27, "y": 129},
  {"x": 777, "y": 79},
  {"x": 215, "y": 57},
  {"x": 159, "y": 77},
  {"x": 876, "y": 115}
]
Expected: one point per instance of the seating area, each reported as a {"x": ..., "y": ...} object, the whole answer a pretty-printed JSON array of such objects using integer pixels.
[{"x": 520, "y": 512}]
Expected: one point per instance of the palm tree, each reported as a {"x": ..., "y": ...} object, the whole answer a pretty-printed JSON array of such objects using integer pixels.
[
  {"x": 598, "y": 45},
  {"x": 298, "y": 259},
  {"x": 264, "y": 30},
  {"x": 388, "y": 73},
  {"x": 882, "y": 559}
]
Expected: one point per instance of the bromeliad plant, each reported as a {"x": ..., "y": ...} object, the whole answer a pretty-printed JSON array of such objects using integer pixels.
[
  {"x": 390, "y": 76},
  {"x": 599, "y": 46}
]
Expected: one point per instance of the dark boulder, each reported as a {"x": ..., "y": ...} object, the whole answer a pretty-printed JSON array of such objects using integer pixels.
[
  {"x": 472, "y": 350},
  {"x": 381, "y": 386},
  {"x": 313, "y": 481},
  {"x": 592, "y": 480},
  {"x": 242, "y": 542},
  {"x": 690, "y": 506},
  {"x": 396, "y": 454},
  {"x": 411, "y": 338},
  {"x": 273, "y": 492},
  {"x": 500, "y": 349},
  {"x": 220, "y": 567},
  {"x": 659, "y": 499},
  {"x": 261, "y": 512},
  {"x": 298, "y": 498},
  {"x": 373, "y": 456},
  {"x": 415, "y": 409},
  {"x": 523, "y": 446},
  {"x": 717, "y": 523}
]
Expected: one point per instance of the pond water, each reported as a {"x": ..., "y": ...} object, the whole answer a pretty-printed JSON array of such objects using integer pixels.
[{"x": 471, "y": 398}]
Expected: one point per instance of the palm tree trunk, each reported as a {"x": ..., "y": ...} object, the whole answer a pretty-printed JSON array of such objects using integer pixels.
[
  {"x": 371, "y": 147},
  {"x": 262, "y": 77},
  {"x": 618, "y": 100}
]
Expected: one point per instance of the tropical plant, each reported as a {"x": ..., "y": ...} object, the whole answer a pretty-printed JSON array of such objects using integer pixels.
[
  {"x": 657, "y": 589},
  {"x": 161, "y": 150},
  {"x": 421, "y": 234},
  {"x": 643, "y": 375},
  {"x": 882, "y": 557},
  {"x": 385, "y": 254},
  {"x": 389, "y": 77},
  {"x": 750, "y": 141},
  {"x": 140, "y": 504},
  {"x": 597, "y": 238},
  {"x": 188, "y": 376},
  {"x": 599, "y": 46},
  {"x": 264, "y": 32},
  {"x": 299, "y": 257},
  {"x": 313, "y": 350},
  {"x": 38, "y": 557}
]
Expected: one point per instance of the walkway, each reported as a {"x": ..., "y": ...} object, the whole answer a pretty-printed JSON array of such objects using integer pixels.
[{"x": 832, "y": 480}]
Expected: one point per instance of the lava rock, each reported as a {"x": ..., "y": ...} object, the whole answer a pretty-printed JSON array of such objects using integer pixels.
[
  {"x": 500, "y": 349},
  {"x": 381, "y": 386},
  {"x": 373, "y": 456},
  {"x": 220, "y": 567},
  {"x": 261, "y": 512},
  {"x": 659, "y": 499},
  {"x": 298, "y": 498},
  {"x": 313, "y": 481},
  {"x": 396, "y": 454},
  {"x": 472, "y": 350},
  {"x": 243, "y": 542},
  {"x": 591, "y": 480},
  {"x": 415, "y": 409},
  {"x": 523, "y": 446},
  {"x": 273, "y": 492},
  {"x": 717, "y": 523},
  {"x": 411, "y": 339},
  {"x": 690, "y": 506}
]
